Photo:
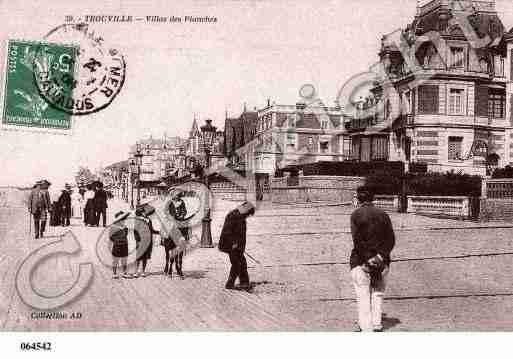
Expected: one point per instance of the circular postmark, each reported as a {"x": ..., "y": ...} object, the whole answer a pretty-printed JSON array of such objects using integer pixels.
[{"x": 75, "y": 73}]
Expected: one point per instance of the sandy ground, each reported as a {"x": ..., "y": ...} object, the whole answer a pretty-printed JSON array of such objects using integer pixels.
[{"x": 446, "y": 275}]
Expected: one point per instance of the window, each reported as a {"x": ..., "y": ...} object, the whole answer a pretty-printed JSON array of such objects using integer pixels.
[
  {"x": 379, "y": 148},
  {"x": 496, "y": 104},
  {"x": 310, "y": 144},
  {"x": 346, "y": 146},
  {"x": 291, "y": 120},
  {"x": 324, "y": 146},
  {"x": 324, "y": 124},
  {"x": 291, "y": 141},
  {"x": 428, "y": 99},
  {"x": 454, "y": 148},
  {"x": 499, "y": 66},
  {"x": 456, "y": 102},
  {"x": 481, "y": 103},
  {"x": 484, "y": 65},
  {"x": 457, "y": 57}
]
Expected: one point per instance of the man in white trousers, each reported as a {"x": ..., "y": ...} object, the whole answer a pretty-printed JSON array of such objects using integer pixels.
[{"x": 373, "y": 240}]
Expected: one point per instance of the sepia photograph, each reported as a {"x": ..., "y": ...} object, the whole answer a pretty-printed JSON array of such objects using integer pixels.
[{"x": 330, "y": 167}]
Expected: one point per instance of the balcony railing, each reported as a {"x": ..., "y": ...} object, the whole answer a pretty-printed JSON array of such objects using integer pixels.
[{"x": 477, "y": 5}]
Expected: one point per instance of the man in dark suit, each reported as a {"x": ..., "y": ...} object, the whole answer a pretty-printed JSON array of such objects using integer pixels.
[
  {"x": 233, "y": 242},
  {"x": 39, "y": 205},
  {"x": 65, "y": 206},
  {"x": 100, "y": 205},
  {"x": 373, "y": 239}
]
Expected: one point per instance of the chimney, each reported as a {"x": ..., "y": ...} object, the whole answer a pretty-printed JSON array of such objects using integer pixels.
[{"x": 268, "y": 102}]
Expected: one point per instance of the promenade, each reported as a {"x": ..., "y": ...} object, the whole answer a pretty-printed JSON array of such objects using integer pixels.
[{"x": 446, "y": 275}]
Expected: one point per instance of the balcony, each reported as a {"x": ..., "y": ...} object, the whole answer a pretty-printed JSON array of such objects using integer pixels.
[{"x": 488, "y": 6}]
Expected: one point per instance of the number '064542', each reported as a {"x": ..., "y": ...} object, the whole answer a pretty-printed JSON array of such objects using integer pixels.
[{"x": 36, "y": 346}]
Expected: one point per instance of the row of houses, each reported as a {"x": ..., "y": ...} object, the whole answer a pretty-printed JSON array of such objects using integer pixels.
[
  {"x": 160, "y": 161},
  {"x": 442, "y": 97}
]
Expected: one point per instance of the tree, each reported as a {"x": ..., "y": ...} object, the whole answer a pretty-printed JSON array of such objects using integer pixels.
[{"x": 83, "y": 176}]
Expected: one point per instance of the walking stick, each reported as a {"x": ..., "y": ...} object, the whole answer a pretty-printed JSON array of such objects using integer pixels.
[
  {"x": 30, "y": 224},
  {"x": 253, "y": 258}
]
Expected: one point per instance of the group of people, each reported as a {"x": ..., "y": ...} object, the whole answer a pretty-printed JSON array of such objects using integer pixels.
[
  {"x": 371, "y": 229},
  {"x": 95, "y": 198},
  {"x": 89, "y": 203},
  {"x": 373, "y": 241},
  {"x": 174, "y": 240}
]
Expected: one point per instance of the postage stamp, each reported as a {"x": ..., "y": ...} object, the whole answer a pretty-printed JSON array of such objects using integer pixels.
[
  {"x": 23, "y": 105},
  {"x": 100, "y": 73}
]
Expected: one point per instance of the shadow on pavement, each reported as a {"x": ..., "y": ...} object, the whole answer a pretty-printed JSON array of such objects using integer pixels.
[
  {"x": 389, "y": 322},
  {"x": 195, "y": 274}
]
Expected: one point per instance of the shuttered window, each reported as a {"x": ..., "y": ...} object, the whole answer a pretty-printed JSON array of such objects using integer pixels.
[
  {"x": 482, "y": 101},
  {"x": 428, "y": 99},
  {"x": 496, "y": 104},
  {"x": 379, "y": 148},
  {"x": 457, "y": 57}
]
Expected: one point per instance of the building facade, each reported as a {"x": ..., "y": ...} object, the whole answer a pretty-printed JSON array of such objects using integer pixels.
[
  {"x": 298, "y": 134},
  {"x": 443, "y": 90}
]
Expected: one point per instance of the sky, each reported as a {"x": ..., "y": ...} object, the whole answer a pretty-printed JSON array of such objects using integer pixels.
[{"x": 257, "y": 49}]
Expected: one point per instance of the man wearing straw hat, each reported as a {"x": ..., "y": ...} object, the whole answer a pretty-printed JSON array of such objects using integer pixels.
[{"x": 39, "y": 205}]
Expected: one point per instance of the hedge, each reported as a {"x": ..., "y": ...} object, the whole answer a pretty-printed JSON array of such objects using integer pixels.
[
  {"x": 427, "y": 184},
  {"x": 347, "y": 168}
]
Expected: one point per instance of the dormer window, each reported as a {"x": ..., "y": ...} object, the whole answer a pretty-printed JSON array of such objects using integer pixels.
[
  {"x": 484, "y": 65},
  {"x": 457, "y": 58}
]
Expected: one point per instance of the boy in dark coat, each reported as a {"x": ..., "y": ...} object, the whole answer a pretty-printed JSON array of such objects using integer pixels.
[
  {"x": 233, "y": 242},
  {"x": 118, "y": 236}
]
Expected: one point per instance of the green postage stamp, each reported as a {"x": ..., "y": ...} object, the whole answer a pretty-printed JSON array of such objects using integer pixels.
[{"x": 28, "y": 65}]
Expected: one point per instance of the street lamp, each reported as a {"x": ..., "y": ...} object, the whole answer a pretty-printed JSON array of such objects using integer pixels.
[
  {"x": 133, "y": 169},
  {"x": 138, "y": 159},
  {"x": 208, "y": 135}
]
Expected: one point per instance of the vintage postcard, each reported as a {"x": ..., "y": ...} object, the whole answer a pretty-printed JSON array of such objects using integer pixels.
[{"x": 256, "y": 165}]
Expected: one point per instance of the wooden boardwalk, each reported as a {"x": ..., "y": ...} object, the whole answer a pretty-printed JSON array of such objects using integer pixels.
[{"x": 156, "y": 302}]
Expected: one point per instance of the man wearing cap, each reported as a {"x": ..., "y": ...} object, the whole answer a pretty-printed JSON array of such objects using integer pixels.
[
  {"x": 100, "y": 205},
  {"x": 233, "y": 242},
  {"x": 373, "y": 240},
  {"x": 65, "y": 205},
  {"x": 39, "y": 205}
]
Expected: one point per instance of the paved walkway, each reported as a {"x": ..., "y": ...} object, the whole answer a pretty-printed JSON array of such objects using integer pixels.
[{"x": 447, "y": 275}]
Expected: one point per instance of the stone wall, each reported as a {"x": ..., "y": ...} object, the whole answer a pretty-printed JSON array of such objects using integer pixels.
[
  {"x": 496, "y": 209},
  {"x": 454, "y": 206},
  {"x": 329, "y": 189},
  {"x": 496, "y": 200},
  {"x": 389, "y": 203}
]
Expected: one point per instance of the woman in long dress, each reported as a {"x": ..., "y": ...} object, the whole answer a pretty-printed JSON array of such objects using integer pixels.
[
  {"x": 89, "y": 216},
  {"x": 77, "y": 206}
]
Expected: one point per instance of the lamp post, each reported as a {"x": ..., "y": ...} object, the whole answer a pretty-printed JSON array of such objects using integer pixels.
[
  {"x": 138, "y": 159},
  {"x": 133, "y": 169},
  {"x": 208, "y": 135}
]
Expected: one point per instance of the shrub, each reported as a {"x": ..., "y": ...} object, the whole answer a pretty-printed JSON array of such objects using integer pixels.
[
  {"x": 443, "y": 184},
  {"x": 426, "y": 184},
  {"x": 384, "y": 183}
]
